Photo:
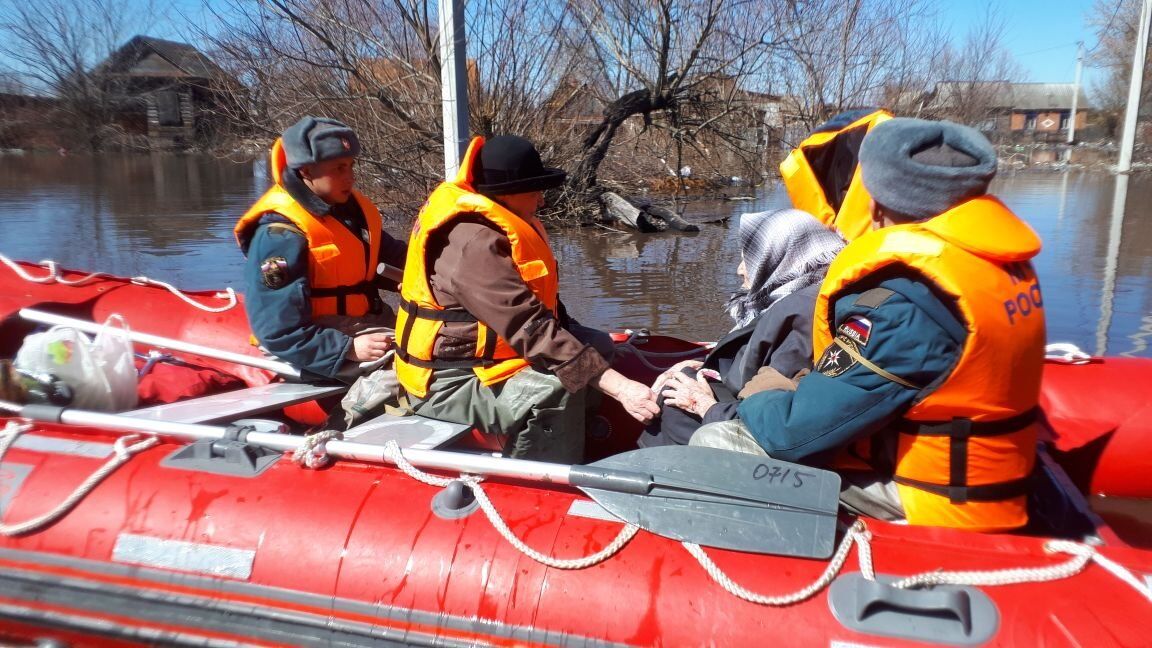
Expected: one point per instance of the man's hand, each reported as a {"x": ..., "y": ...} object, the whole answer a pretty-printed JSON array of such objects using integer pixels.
[
  {"x": 768, "y": 378},
  {"x": 689, "y": 394},
  {"x": 638, "y": 400},
  {"x": 369, "y": 347},
  {"x": 663, "y": 378}
]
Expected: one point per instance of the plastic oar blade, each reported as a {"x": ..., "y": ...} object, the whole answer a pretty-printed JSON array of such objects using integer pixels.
[{"x": 720, "y": 499}]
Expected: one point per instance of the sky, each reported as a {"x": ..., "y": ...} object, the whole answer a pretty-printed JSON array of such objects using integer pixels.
[{"x": 1040, "y": 34}]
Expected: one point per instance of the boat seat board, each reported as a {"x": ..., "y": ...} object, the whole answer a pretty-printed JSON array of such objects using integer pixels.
[
  {"x": 237, "y": 404},
  {"x": 410, "y": 432}
]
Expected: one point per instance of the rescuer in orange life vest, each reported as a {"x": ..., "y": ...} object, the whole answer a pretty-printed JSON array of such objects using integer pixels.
[
  {"x": 313, "y": 245},
  {"x": 928, "y": 340},
  {"x": 483, "y": 338}
]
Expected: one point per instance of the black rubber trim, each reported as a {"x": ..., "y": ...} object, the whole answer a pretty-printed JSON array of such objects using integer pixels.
[{"x": 277, "y": 619}]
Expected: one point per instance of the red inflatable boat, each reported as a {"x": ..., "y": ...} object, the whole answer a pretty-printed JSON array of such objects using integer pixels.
[{"x": 227, "y": 541}]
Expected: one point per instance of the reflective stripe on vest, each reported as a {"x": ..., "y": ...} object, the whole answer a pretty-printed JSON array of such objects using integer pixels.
[
  {"x": 823, "y": 178},
  {"x": 340, "y": 278},
  {"x": 965, "y": 449},
  {"x": 420, "y": 317}
]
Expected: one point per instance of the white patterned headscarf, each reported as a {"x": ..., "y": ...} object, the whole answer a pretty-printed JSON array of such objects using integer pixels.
[{"x": 784, "y": 250}]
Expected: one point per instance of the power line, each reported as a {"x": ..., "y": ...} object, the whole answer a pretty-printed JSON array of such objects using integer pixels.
[
  {"x": 1108, "y": 27},
  {"x": 1049, "y": 49}
]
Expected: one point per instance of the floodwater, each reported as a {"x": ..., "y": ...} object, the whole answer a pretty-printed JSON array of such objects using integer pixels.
[{"x": 171, "y": 217}]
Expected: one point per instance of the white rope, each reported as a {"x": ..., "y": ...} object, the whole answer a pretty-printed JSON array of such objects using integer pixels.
[
  {"x": 53, "y": 273},
  {"x": 392, "y": 451},
  {"x": 1114, "y": 568},
  {"x": 313, "y": 452},
  {"x": 228, "y": 294},
  {"x": 857, "y": 534},
  {"x": 54, "y": 276},
  {"x": 1067, "y": 353},
  {"x": 1081, "y": 554},
  {"x": 125, "y": 447}
]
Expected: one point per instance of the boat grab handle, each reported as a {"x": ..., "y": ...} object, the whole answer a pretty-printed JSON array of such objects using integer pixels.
[
  {"x": 874, "y": 597},
  {"x": 942, "y": 614}
]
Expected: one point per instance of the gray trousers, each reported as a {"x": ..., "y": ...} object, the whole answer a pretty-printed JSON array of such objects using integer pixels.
[
  {"x": 531, "y": 412},
  {"x": 860, "y": 493}
]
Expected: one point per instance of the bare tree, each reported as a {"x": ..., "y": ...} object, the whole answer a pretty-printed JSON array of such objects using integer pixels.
[
  {"x": 58, "y": 44},
  {"x": 1115, "y": 23},
  {"x": 979, "y": 72},
  {"x": 676, "y": 64},
  {"x": 376, "y": 65},
  {"x": 835, "y": 55}
]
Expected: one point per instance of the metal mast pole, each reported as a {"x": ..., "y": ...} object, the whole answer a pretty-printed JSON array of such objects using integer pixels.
[
  {"x": 1129, "y": 138},
  {"x": 1075, "y": 92},
  {"x": 453, "y": 84}
]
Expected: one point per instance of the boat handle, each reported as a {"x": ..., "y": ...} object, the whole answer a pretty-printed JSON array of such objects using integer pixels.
[{"x": 873, "y": 597}]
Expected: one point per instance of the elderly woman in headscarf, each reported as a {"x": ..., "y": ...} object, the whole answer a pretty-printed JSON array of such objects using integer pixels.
[{"x": 784, "y": 256}]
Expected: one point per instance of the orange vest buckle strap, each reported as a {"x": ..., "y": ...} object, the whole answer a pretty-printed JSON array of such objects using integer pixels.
[
  {"x": 960, "y": 431},
  {"x": 414, "y": 311},
  {"x": 367, "y": 289}
]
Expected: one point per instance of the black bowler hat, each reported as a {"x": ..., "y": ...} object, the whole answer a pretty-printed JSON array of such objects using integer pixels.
[{"x": 509, "y": 165}]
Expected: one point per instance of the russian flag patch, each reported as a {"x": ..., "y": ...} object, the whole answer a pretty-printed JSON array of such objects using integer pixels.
[{"x": 857, "y": 328}]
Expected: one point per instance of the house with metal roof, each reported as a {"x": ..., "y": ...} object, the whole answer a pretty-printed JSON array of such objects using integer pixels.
[{"x": 1040, "y": 110}]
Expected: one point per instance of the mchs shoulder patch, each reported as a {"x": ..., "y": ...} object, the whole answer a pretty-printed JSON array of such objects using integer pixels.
[
  {"x": 836, "y": 360},
  {"x": 274, "y": 272}
]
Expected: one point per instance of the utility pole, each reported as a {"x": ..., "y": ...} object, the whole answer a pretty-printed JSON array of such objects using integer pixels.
[
  {"x": 453, "y": 84},
  {"x": 1075, "y": 92},
  {"x": 1128, "y": 140}
]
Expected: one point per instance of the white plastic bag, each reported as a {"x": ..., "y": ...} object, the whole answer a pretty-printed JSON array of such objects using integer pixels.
[{"x": 101, "y": 372}]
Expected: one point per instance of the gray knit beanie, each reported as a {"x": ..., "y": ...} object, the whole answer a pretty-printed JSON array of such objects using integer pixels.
[
  {"x": 923, "y": 168},
  {"x": 316, "y": 139}
]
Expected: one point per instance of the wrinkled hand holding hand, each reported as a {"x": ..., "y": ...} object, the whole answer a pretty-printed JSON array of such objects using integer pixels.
[
  {"x": 638, "y": 400},
  {"x": 663, "y": 378},
  {"x": 369, "y": 347},
  {"x": 689, "y": 394}
]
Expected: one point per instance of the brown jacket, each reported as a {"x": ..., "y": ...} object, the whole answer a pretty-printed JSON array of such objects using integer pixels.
[{"x": 471, "y": 268}]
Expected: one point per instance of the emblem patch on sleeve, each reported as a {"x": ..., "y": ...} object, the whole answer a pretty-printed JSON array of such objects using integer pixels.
[
  {"x": 856, "y": 328},
  {"x": 835, "y": 360},
  {"x": 274, "y": 272}
]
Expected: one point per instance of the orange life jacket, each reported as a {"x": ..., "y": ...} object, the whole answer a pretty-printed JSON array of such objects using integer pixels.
[
  {"x": 823, "y": 178},
  {"x": 420, "y": 317},
  {"x": 965, "y": 450},
  {"x": 340, "y": 277}
]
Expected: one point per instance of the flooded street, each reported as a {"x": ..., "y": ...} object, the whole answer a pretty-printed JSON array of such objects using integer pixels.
[{"x": 171, "y": 217}]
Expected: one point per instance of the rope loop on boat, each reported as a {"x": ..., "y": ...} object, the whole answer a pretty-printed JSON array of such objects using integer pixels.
[
  {"x": 857, "y": 534},
  {"x": 1082, "y": 554},
  {"x": 1066, "y": 353},
  {"x": 227, "y": 293},
  {"x": 1114, "y": 568},
  {"x": 52, "y": 276},
  {"x": 313, "y": 452},
  {"x": 123, "y": 450},
  {"x": 393, "y": 452}
]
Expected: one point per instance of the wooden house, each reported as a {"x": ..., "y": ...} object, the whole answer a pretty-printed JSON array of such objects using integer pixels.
[{"x": 170, "y": 92}]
